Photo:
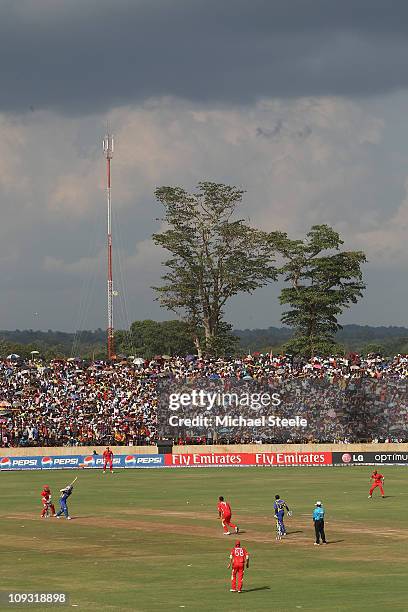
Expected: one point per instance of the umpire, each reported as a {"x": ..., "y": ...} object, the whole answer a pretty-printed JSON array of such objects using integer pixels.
[{"x": 318, "y": 519}]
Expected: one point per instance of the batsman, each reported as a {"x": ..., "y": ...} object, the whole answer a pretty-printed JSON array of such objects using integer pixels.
[{"x": 65, "y": 493}]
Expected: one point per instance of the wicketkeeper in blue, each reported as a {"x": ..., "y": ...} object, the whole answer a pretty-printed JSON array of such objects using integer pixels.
[
  {"x": 279, "y": 507},
  {"x": 65, "y": 493}
]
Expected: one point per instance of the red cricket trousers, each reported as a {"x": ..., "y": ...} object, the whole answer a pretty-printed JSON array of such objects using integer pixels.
[
  {"x": 237, "y": 573},
  {"x": 226, "y": 523},
  {"x": 376, "y": 484},
  {"x": 47, "y": 506}
]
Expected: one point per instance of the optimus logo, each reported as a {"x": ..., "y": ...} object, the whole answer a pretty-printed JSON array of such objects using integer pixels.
[{"x": 5, "y": 462}]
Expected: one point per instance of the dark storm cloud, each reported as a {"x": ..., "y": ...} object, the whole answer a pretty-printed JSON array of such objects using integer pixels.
[
  {"x": 279, "y": 129},
  {"x": 90, "y": 55},
  {"x": 270, "y": 132}
]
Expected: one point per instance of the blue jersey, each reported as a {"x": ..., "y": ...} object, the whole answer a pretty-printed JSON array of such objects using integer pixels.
[
  {"x": 279, "y": 506},
  {"x": 318, "y": 513},
  {"x": 66, "y": 493}
]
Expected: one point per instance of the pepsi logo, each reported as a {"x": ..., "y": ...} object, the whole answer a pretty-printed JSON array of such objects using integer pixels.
[
  {"x": 5, "y": 462},
  {"x": 47, "y": 461},
  {"x": 130, "y": 460}
]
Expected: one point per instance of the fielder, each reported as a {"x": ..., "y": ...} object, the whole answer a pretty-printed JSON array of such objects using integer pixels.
[
  {"x": 239, "y": 559},
  {"x": 378, "y": 481},
  {"x": 107, "y": 460}
]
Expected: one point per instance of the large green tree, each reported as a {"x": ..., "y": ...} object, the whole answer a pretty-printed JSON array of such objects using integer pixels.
[
  {"x": 323, "y": 281},
  {"x": 149, "y": 338},
  {"x": 213, "y": 256}
]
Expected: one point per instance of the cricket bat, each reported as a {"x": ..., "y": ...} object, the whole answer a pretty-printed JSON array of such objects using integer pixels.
[{"x": 75, "y": 479}]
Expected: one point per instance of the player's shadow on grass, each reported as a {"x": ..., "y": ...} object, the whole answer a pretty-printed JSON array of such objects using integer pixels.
[
  {"x": 263, "y": 588},
  {"x": 334, "y": 541},
  {"x": 292, "y": 532}
]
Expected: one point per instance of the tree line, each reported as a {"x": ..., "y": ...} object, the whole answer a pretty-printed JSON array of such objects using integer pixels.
[{"x": 149, "y": 338}]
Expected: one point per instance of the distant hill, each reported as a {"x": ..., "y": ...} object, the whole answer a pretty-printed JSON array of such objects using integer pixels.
[
  {"x": 52, "y": 344},
  {"x": 360, "y": 338},
  {"x": 52, "y": 338}
]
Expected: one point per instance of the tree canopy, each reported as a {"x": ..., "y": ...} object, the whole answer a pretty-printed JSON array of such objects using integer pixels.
[
  {"x": 213, "y": 256},
  {"x": 323, "y": 282}
]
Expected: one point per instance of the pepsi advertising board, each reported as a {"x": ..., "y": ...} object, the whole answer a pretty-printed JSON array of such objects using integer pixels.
[
  {"x": 370, "y": 458},
  {"x": 79, "y": 461}
]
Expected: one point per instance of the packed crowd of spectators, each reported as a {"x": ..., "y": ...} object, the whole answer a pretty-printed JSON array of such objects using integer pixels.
[{"x": 77, "y": 403}]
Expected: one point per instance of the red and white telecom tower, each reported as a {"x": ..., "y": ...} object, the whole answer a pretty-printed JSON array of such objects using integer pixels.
[{"x": 108, "y": 151}]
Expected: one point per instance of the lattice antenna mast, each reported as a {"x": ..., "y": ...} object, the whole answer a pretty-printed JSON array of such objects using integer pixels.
[{"x": 108, "y": 152}]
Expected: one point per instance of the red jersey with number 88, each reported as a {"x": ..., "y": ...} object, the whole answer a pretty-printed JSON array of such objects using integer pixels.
[{"x": 239, "y": 555}]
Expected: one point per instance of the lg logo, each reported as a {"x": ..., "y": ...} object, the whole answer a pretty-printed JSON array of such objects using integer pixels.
[{"x": 347, "y": 458}]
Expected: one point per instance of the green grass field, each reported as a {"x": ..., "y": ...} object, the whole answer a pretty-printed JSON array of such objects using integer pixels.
[{"x": 149, "y": 540}]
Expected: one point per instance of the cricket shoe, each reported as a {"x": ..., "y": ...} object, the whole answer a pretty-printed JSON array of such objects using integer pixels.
[
  {"x": 233, "y": 590},
  {"x": 316, "y": 544},
  {"x": 370, "y": 497},
  {"x": 56, "y": 516},
  {"x": 68, "y": 518},
  {"x": 237, "y": 529},
  {"x": 227, "y": 533}
]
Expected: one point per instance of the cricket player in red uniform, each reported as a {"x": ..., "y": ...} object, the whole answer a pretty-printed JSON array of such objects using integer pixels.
[
  {"x": 224, "y": 513},
  {"x": 378, "y": 480},
  {"x": 46, "y": 502},
  {"x": 107, "y": 460},
  {"x": 239, "y": 559}
]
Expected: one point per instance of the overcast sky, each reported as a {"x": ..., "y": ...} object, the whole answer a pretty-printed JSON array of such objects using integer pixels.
[{"x": 301, "y": 103}]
